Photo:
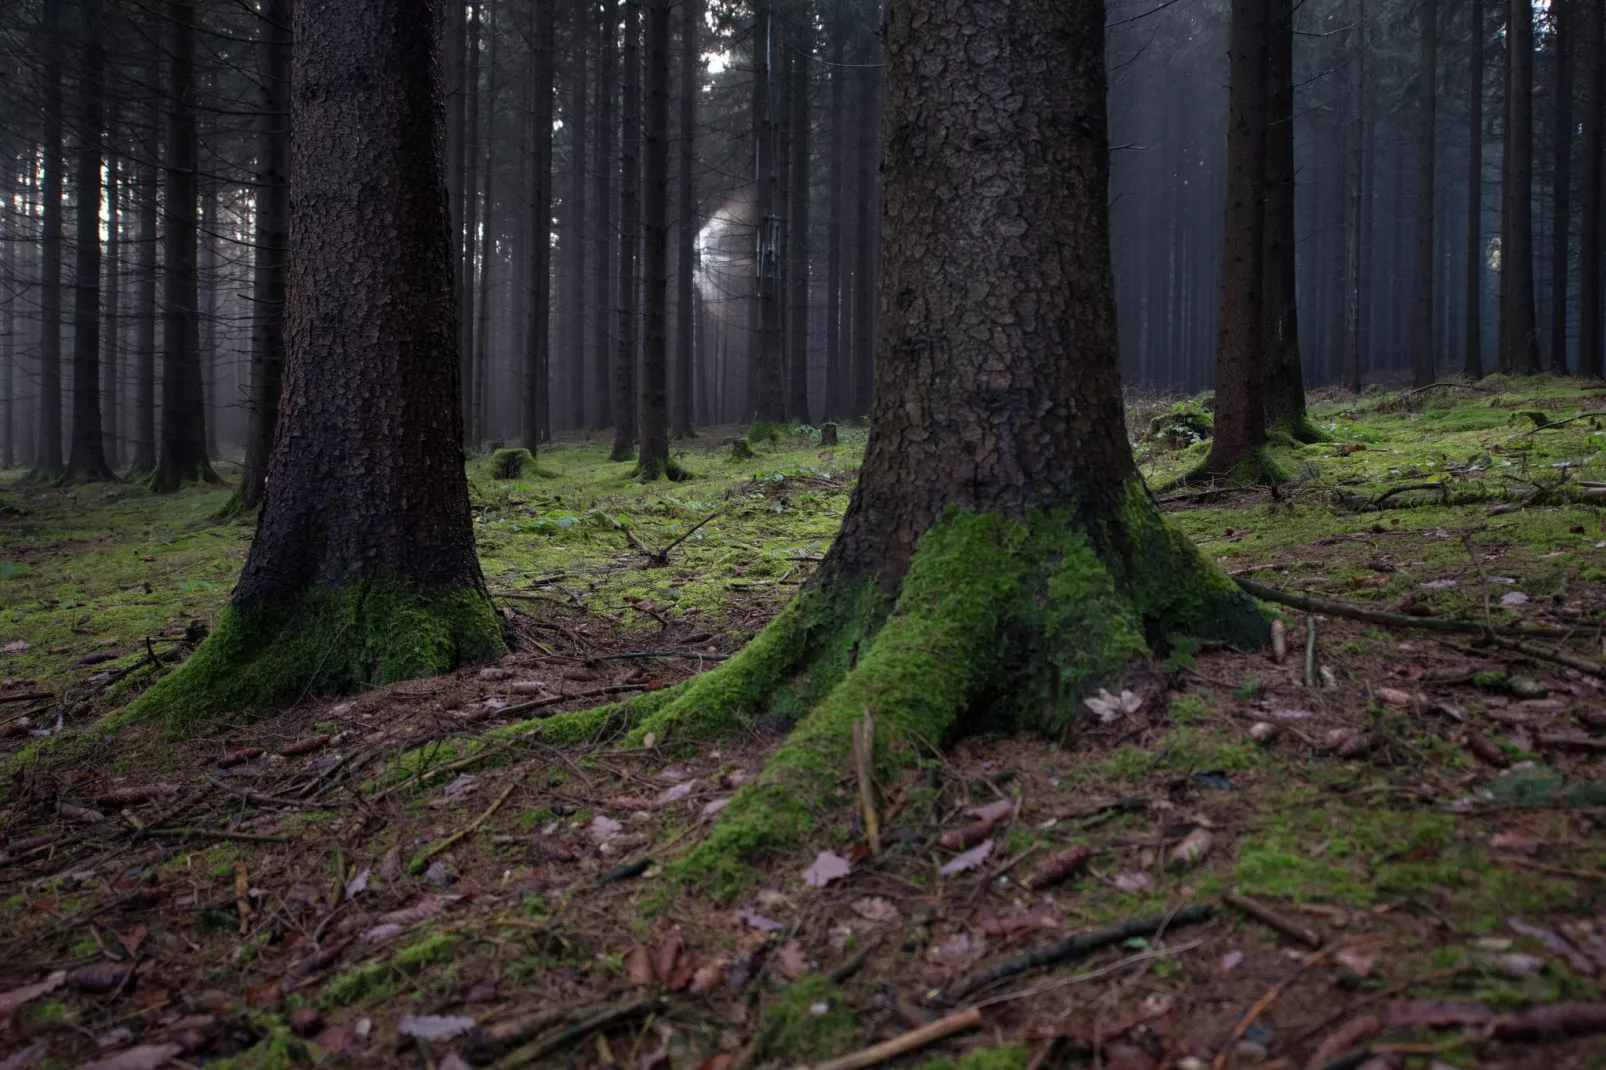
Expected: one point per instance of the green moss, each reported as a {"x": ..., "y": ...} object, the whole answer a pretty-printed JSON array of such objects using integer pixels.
[
  {"x": 760, "y": 432},
  {"x": 742, "y": 450},
  {"x": 810, "y": 1021},
  {"x": 278, "y": 1049},
  {"x": 1296, "y": 427},
  {"x": 1008, "y": 1057},
  {"x": 332, "y": 642},
  {"x": 652, "y": 471},
  {"x": 513, "y": 464},
  {"x": 1181, "y": 425}
]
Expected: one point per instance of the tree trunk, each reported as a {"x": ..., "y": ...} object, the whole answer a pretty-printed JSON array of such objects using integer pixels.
[
  {"x": 272, "y": 239},
  {"x": 536, "y": 417},
  {"x": 866, "y": 276},
  {"x": 797, "y": 223},
  {"x": 682, "y": 412},
  {"x": 836, "y": 406},
  {"x": 145, "y": 292},
  {"x": 111, "y": 356},
  {"x": 480, "y": 338},
  {"x": 86, "y": 463},
  {"x": 210, "y": 263},
  {"x": 470, "y": 215},
  {"x": 766, "y": 371},
  {"x": 654, "y": 462},
  {"x": 1354, "y": 198},
  {"x": 1472, "y": 365},
  {"x": 363, "y": 569},
  {"x": 576, "y": 238},
  {"x": 11, "y": 250},
  {"x": 1285, "y": 378},
  {"x": 1237, "y": 451},
  {"x": 627, "y": 342},
  {"x": 604, "y": 167},
  {"x": 1589, "y": 245},
  {"x": 1427, "y": 73},
  {"x": 1000, "y": 556},
  {"x": 182, "y": 450},
  {"x": 1562, "y": 13},
  {"x": 457, "y": 182},
  {"x": 47, "y": 455},
  {"x": 1519, "y": 343}
]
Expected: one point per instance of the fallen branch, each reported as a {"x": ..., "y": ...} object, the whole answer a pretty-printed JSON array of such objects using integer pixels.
[
  {"x": 639, "y": 654},
  {"x": 555, "y": 700},
  {"x": 564, "y": 1038},
  {"x": 1260, "y": 1006},
  {"x": 263, "y": 800},
  {"x": 661, "y": 557},
  {"x": 863, "y": 732},
  {"x": 1267, "y": 916},
  {"x": 913, "y": 1040},
  {"x": 1397, "y": 620},
  {"x": 1310, "y": 650},
  {"x": 219, "y": 834},
  {"x": 1560, "y": 657},
  {"x": 417, "y": 864},
  {"x": 31, "y": 696},
  {"x": 1079, "y": 946}
]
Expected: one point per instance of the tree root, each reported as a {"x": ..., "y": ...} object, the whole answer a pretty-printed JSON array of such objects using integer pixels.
[{"x": 1398, "y": 620}]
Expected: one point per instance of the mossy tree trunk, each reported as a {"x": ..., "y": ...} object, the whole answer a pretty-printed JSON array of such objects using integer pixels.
[
  {"x": 363, "y": 569},
  {"x": 1000, "y": 555}
]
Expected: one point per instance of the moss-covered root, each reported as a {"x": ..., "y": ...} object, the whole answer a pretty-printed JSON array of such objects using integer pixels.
[
  {"x": 652, "y": 471},
  {"x": 513, "y": 464},
  {"x": 1256, "y": 468},
  {"x": 1297, "y": 427},
  {"x": 332, "y": 641},
  {"x": 999, "y": 626}
]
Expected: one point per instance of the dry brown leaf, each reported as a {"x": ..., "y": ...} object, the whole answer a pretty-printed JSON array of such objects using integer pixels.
[
  {"x": 16, "y": 998},
  {"x": 638, "y": 966},
  {"x": 968, "y": 860},
  {"x": 828, "y": 866},
  {"x": 144, "y": 1057},
  {"x": 789, "y": 960}
]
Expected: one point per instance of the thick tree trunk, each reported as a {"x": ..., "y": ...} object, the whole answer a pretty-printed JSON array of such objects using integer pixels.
[
  {"x": 766, "y": 371},
  {"x": 471, "y": 289},
  {"x": 627, "y": 342},
  {"x": 47, "y": 454},
  {"x": 87, "y": 460},
  {"x": 146, "y": 313},
  {"x": 682, "y": 412},
  {"x": 1000, "y": 556},
  {"x": 182, "y": 451},
  {"x": 272, "y": 239},
  {"x": 603, "y": 169},
  {"x": 536, "y": 417},
  {"x": 1237, "y": 451},
  {"x": 457, "y": 182},
  {"x": 1589, "y": 245},
  {"x": 1561, "y": 12},
  {"x": 1519, "y": 342},
  {"x": 1472, "y": 363},
  {"x": 1427, "y": 73},
  {"x": 1285, "y": 378},
  {"x": 363, "y": 568},
  {"x": 797, "y": 223},
  {"x": 654, "y": 461}
]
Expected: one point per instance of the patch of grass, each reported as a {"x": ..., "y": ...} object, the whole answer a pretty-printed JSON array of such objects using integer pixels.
[{"x": 810, "y": 1021}]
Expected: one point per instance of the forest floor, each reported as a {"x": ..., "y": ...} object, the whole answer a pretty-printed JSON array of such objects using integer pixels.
[{"x": 410, "y": 877}]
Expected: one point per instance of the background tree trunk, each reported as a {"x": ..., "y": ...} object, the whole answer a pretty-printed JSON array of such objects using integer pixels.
[
  {"x": 797, "y": 219},
  {"x": 1472, "y": 364},
  {"x": 148, "y": 185},
  {"x": 866, "y": 277},
  {"x": 604, "y": 168},
  {"x": 766, "y": 371},
  {"x": 470, "y": 290},
  {"x": 1519, "y": 344},
  {"x": 682, "y": 412},
  {"x": 47, "y": 455},
  {"x": 1350, "y": 360},
  {"x": 836, "y": 406},
  {"x": 1285, "y": 378},
  {"x": 1427, "y": 73},
  {"x": 654, "y": 462},
  {"x": 1561, "y": 13},
  {"x": 577, "y": 239},
  {"x": 536, "y": 416},
  {"x": 272, "y": 239},
  {"x": 624, "y": 365},
  {"x": 182, "y": 457},
  {"x": 87, "y": 460},
  {"x": 1589, "y": 245},
  {"x": 111, "y": 356}
]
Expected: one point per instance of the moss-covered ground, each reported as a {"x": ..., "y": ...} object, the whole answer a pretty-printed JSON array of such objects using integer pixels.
[{"x": 288, "y": 890}]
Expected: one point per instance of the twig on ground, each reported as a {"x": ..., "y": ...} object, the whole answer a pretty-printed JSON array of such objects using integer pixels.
[
  {"x": 636, "y": 655},
  {"x": 1267, "y": 916},
  {"x": 554, "y": 700},
  {"x": 467, "y": 830},
  {"x": 564, "y": 1038},
  {"x": 863, "y": 733},
  {"x": 661, "y": 557},
  {"x": 913, "y": 1040},
  {"x": 1310, "y": 650},
  {"x": 263, "y": 800},
  {"x": 1078, "y": 946},
  {"x": 1398, "y": 620},
  {"x": 1260, "y": 1006},
  {"x": 1560, "y": 657},
  {"x": 220, "y": 834}
]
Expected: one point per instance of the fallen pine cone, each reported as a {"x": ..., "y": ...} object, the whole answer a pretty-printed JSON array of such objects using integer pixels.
[
  {"x": 302, "y": 746},
  {"x": 1487, "y": 750},
  {"x": 1061, "y": 867},
  {"x": 239, "y": 757}
]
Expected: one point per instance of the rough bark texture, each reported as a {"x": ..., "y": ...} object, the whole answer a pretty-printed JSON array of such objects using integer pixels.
[
  {"x": 10, "y": 251},
  {"x": 627, "y": 341},
  {"x": 1472, "y": 362},
  {"x": 654, "y": 461},
  {"x": 181, "y": 454},
  {"x": 47, "y": 454},
  {"x": 536, "y": 418},
  {"x": 1285, "y": 378},
  {"x": 272, "y": 239},
  {"x": 1240, "y": 356},
  {"x": 87, "y": 460},
  {"x": 1562, "y": 183},
  {"x": 1427, "y": 72},
  {"x": 363, "y": 568},
  {"x": 1589, "y": 245},
  {"x": 682, "y": 414},
  {"x": 146, "y": 313},
  {"x": 1519, "y": 343}
]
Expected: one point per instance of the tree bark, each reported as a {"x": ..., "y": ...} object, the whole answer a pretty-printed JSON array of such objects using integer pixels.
[
  {"x": 682, "y": 412},
  {"x": 1354, "y": 197},
  {"x": 766, "y": 371},
  {"x": 1472, "y": 363},
  {"x": 1285, "y": 377},
  {"x": 182, "y": 451},
  {"x": 536, "y": 416},
  {"x": 604, "y": 168},
  {"x": 147, "y": 183},
  {"x": 11, "y": 250},
  {"x": 272, "y": 238},
  {"x": 484, "y": 224},
  {"x": 86, "y": 462},
  {"x": 47, "y": 455},
  {"x": 836, "y": 406},
  {"x": 111, "y": 355},
  {"x": 1519, "y": 343},
  {"x": 1427, "y": 73},
  {"x": 1589, "y": 245},
  {"x": 1561, "y": 12},
  {"x": 797, "y": 222},
  {"x": 866, "y": 269},
  {"x": 363, "y": 569},
  {"x": 208, "y": 281},
  {"x": 578, "y": 283},
  {"x": 1240, "y": 432},
  {"x": 629, "y": 326},
  {"x": 470, "y": 290},
  {"x": 654, "y": 461}
]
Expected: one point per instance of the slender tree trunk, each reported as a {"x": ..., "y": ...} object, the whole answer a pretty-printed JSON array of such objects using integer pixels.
[
  {"x": 48, "y": 456},
  {"x": 866, "y": 273},
  {"x": 182, "y": 449},
  {"x": 625, "y": 355},
  {"x": 1519, "y": 343},
  {"x": 272, "y": 240},
  {"x": 536, "y": 417},
  {"x": 1350, "y": 364},
  {"x": 1472, "y": 364},
  {"x": 682, "y": 412},
  {"x": 1562, "y": 14},
  {"x": 1427, "y": 73},
  {"x": 766, "y": 373},
  {"x": 604, "y": 168},
  {"x": 148, "y": 209},
  {"x": 836, "y": 384},
  {"x": 1589, "y": 245},
  {"x": 471, "y": 153},
  {"x": 578, "y": 283},
  {"x": 797, "y": 222},
  {"x": 11, "y": 252},
  {"x": 111, "y": 357},
  {"x": 1285, "y": 378},
  {"x": 480, "y": 339},
  {"x": 654, "y": 462},
  {"x": 209, "y": 284},
  {"x": 1240, "y": 356},
  {"x": 87, "y": 461}
]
